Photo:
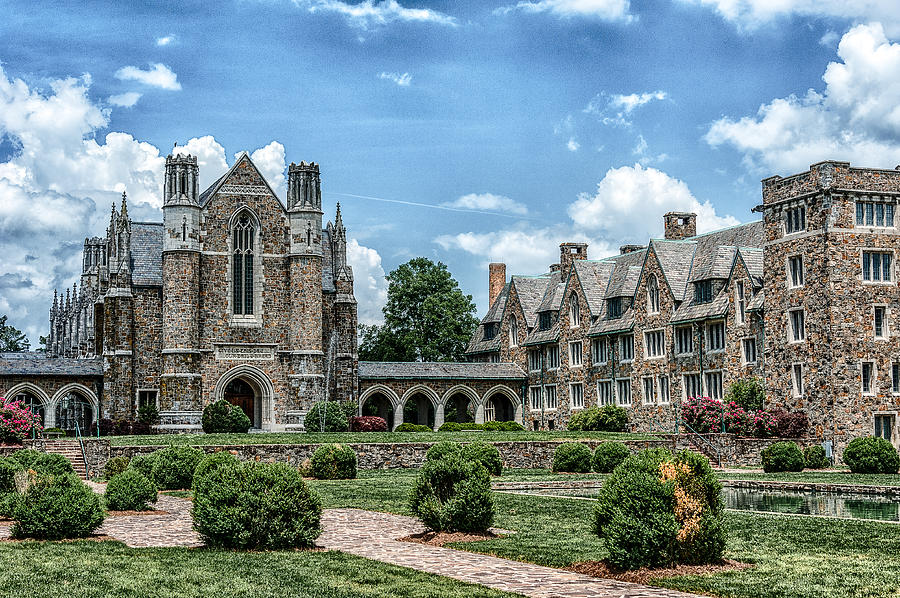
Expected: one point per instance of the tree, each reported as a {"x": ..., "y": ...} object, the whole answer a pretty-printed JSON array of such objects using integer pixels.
[
  {"x": 11, "y": 338},
  {"x": 427, "y": 317}
]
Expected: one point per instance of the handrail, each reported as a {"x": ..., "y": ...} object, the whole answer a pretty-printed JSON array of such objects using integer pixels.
[
  {"x": 81, "y": 443},
  {"x": 714, "y": 447}
]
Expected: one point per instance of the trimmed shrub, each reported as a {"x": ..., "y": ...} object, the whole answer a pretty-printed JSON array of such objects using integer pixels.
[
  {"x": 450, "y": 427},
  {"x": 144, "y": 464},
  {"x": 8, "y": 469},
  {"x": 140, "y": 428},
  {"x": 130, "y": 491},
  {"x": 656, "y": 510},
  {"x": 814, "y": 457},
  {"x": 43, "y": 463},
  {"x": 173, "y": 468},
  {"x": 441, "y": 449},
  {"x": 8, "y": 504},
  {"x": 255, "y": 506},
  {"x": 115, "y": 466},
  {"x": 223, "y": 417},
  {"x": 484, "y": 453},
  {"x": 334, "y": 462},
  {"x": 412, "y": 428},
  {"x": 54, "y": 507},
  {"x": 453, "y": 495},
  {"x": 107, "y": 427},
  {"x": 609, "y": 418},
  {"x": 572, "y": 457},
  {"x": 782, "y": 456},
  {"x": 368, "y": 423},
  {"x": 747, "y": 393},
  {"x": 148, "y": 415},
  {"x": 211, "y": 462},
  {"x": 335, "y": 418},
  {"x": 495, "y": 426},
  {"x": 871, "y": 455},
  {"x": 790, "y": 424},
  {"x": 609, "y": 455}
]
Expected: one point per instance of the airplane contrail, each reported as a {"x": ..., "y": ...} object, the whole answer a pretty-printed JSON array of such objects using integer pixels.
[{"x": 432, "y": 206}]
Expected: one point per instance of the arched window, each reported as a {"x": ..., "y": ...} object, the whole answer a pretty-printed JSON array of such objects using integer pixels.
[
  {"x": 242, "y": 264},
  {"x": 74, "y": 410},
  {"x": 32, "y": 402},
  {"x": 574, "y": 312},
  {"x": 513, "y": 331},
  {"x": 653, "y": 295}
]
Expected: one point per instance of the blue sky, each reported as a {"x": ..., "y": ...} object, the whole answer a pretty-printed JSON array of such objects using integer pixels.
[{"x": 523, "y": 123}]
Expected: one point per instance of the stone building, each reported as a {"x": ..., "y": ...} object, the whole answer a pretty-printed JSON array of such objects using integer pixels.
[{"x": 234, "y": 295}]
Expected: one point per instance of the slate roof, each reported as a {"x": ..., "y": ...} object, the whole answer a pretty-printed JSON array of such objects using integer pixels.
[
  {"x": 495, "y": 313},
  {"x": 690, "y": 311},
  {"x": 676, "y": 258},
  {"x": 538, "y": 337},
  {"x": 146, "y": 253},
  {"x": 594, "y": 276},
  {"x": 553, "y": 295},
  {"x": 757, "y": 302},
  {"x": 392, "y": 370},
  {"x": 36, "y": 364},
  {"x": 530, "y": 290},
  {"x": 609, "y": 326},
  {"x": 753, "y": 258},
  {"x": 626, "y": 274}
]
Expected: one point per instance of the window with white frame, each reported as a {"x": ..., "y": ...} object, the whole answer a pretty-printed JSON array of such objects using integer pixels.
[
  {"x": 874, "y": 213},
  {"x": 884, "y": 427},
  {"x": 795, "y": 219},
  {"x": 626, "y": 347},
  {"x": 147, "y": 398},
  {"x": 795, "y": 271},
  {"x": 876, "y": 266},
  {"x": 654, "y": 344},
  {"x": 653, "y": 295},
  {"x": 605, "y": 393},
  {"x": 895, "y": 378},
  {"x": 576, "y": 395},
  {"x": 691, "y": 385},
  {"x": 740, "y": 313},
  {"x": 867, "y": 377},
  {"x": 797, "y": 380},
  {"x": 599, "y": 350},
  {"x": 663, "y": 384},
  {"x": 575, "y": 355},
  {"x": 574, "y": 312},
  {"x": 649, "y": 391},
  {"x": 879, "y": 323},
  {"x": 534, "y": 360},
  {"x": 623, "y": 392},
  {"x": 797, "y": 323},
  {"x": 748, "y": 353},
  {"x": 715, "y": 336},
  {"x": 684, "y": 340},
  {"x": 714, "y": 385},
  {"x": 552, "y": 357},
  {"x": 513, "y": 332},
  {"x": 550, "y": 397},
  {"x": 535, "y": 392}
]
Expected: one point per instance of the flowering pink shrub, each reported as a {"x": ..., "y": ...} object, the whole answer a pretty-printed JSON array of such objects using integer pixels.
[
  {"x": 764, "y": 424},
  {"x": 16, "y": 421},
  {"x": 738, "y": 421},
  {"x": 368, "y": 423},
  {"x": 705, "y": 415},
  {"x": 702, "y": 414}
]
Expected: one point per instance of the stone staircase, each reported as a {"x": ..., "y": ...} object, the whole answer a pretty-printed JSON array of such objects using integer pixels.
[{"x": 71, "y": 450}]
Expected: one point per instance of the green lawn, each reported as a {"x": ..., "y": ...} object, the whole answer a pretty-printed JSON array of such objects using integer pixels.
[
  {"x": 388, "y": 437},
  {"x": 794, "y": 556},
  {"x": 110, "y": 569}
]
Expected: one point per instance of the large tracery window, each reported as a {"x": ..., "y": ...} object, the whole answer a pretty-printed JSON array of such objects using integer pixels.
[{"x": 242, "y": 264}]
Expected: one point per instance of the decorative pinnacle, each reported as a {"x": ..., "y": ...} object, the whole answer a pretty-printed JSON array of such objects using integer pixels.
[{"x": 124, "y": 213}]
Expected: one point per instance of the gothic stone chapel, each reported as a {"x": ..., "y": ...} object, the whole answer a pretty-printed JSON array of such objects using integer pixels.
[{"x": 232, "y": 296}]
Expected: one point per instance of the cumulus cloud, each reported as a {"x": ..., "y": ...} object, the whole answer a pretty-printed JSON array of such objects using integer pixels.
[
  {"x": 369, "y": 284},
  {"x": 616, "y": 109},
  {"x": 607, "y": 10},
  {"x": 158, "y": 75},
  {"x": 369, "y": 14},
  {"x": 855, "y": 118},
  {"x": 125, "y": 100},
  {"x": 270, "y": 161},
  {"x": 488, "y": 202},
  {"x": 165, "y": 40},
  {"x": 402, "y": 80}
]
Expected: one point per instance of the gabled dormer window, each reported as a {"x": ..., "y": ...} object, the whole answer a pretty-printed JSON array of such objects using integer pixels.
[
  {"x": 703, "y": 291},
  {"x": 614, "y": 307},
  {"x": 490, "y": 331},
  {"x": 544, "y": 321}
]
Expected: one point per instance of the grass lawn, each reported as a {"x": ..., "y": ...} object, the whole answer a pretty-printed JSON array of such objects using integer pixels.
[
  {"x": 794, "y": 556},
  {"x": 109, "y": 569},
  {"x": 388, "y": 437}
]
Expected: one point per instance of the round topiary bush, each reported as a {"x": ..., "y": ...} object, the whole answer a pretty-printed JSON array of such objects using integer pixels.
[
  {"x": 130, "y": 491},
  {"x": 484, "y": 453},
  {"x": 412, "y": 428},
  {"x": 210, "y": 462},
  {"x": 115, "y": 466},
  {"x": 334, "y": 462},
  {"x": 453, "y": 495},
  {"x": 254, "y": 506},
  {"x": 609, "y": 418},
  {"x": 144, "y": 464},
  {"x": 173, "y": 467},
  {"x": 43, "y": 463},
  {"x": 572, "y": 457},
  {"x": 871, "y": 455},
  {"x": 450, "y": 427},
  {"x": 656, "y": 510},
  {"x": 335, "y": 418},
  {"x": 223, "y": 417},
  {"x": 8, "y": 469},
  {"x": 609, "y": 455},
  {"x": 54, "y": 507},
  {"x": 814, "y": 457},
  {"x": 441, "y": 449},
  {"x": 782, "y": 456}
]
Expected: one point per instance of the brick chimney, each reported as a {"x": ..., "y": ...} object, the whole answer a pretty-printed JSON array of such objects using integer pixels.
[
  {"x": 568, "y": 253},
  {"x": 623, "y": 249},
  {"x": 680, "y": 225},
  {"x": 496, "y": 280}
]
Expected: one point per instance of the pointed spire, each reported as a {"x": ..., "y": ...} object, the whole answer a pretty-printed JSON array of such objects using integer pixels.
[
  {"x": 55, "y": 307},
  {"x": 338, "y": 221},
  {"x": 124, "y": 214},
  {"x": 68, "y": 300}
]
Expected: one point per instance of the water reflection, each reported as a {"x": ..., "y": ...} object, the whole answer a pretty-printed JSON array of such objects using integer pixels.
[{"x": 847, "y": 506}]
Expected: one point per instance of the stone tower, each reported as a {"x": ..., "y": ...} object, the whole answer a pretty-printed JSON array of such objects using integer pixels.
[
  {"x": 344, "y": 385},
  {"x": 179, "y": 392}
]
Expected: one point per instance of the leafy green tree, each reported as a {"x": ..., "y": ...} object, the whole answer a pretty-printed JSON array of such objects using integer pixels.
[
  {"x": 11, "y": 338},
  {"x": 427, "y": 317}
]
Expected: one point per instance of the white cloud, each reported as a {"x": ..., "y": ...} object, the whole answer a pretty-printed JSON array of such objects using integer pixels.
[
  {"x": 572, "y": 145},
  {"x": 829, "y": 38},
  {"x": 270, "y": 161},
  {"x": 488, "y": 202},
  {"x": 125, "y": 100},
  {"x": 402, "y": 80},
  {"x": 750, "y": 14},
  {"x": 165, "y": 40},
  {"x": 369, "y": 284},
  {"x": 616, "y": 109},
  {"x": 158, "y": 75},
  {"x": 608, "y": 10},
  {"x": 369, "y": 14},
  {"x": 855, "y": 118}
]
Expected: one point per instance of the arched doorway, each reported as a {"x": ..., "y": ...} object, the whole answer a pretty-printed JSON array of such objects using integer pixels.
[
  {"x": 74, "y": 410},
  {"x": 499, "y": 408},
  {"x": 33, "y": 402},
  {"x": 380, "y": 405},
  {"x": 419, "y": 409},
  {"x": 459, "y": 409},
  {"x": 240, "y": 393}
]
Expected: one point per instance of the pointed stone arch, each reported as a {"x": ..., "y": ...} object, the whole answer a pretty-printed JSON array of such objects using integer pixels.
[
  {"x": 262, "y": 387},
  {"x": 37, "y": 392},
  {"x": 459, "y": 389},
  {"x": 506, "y": 392},
  {"x": 424, "y": 390},
  {"x": 388, "y": 413},
  {"x": 51, "y": 416}
]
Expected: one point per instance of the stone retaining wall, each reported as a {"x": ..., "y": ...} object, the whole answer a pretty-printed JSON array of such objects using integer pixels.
[{"x": 96, "y": 452}]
